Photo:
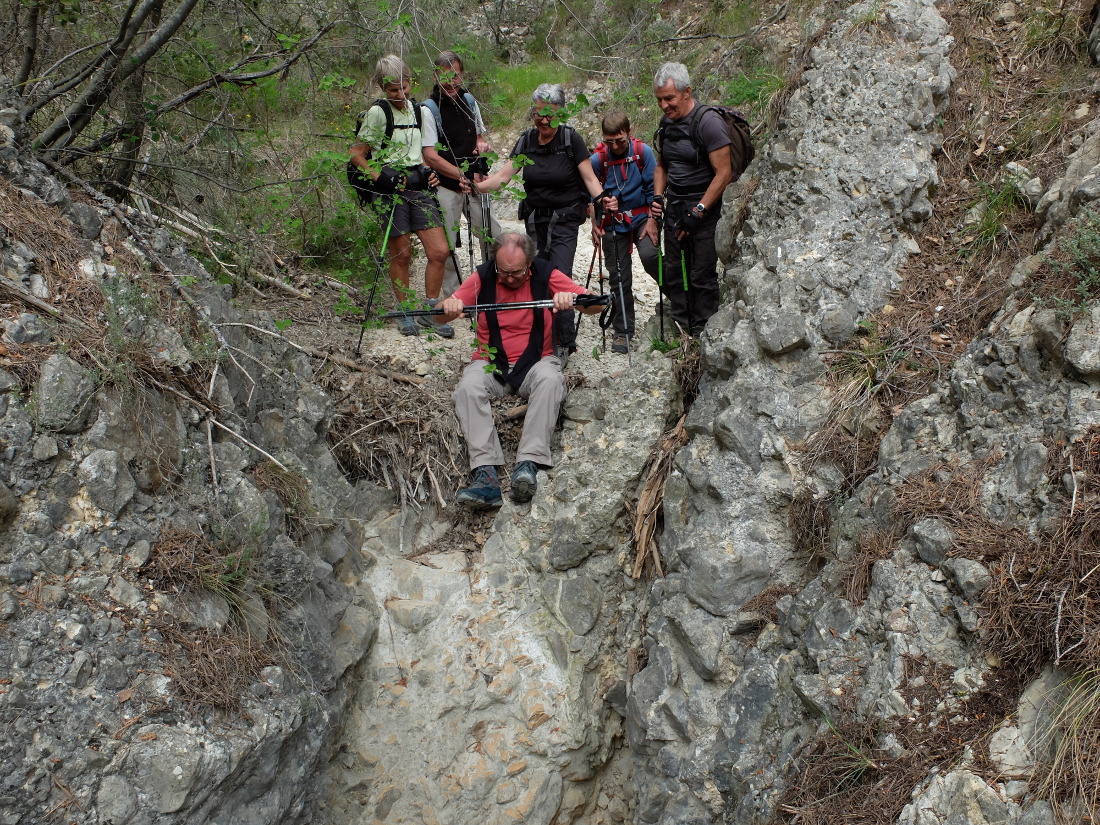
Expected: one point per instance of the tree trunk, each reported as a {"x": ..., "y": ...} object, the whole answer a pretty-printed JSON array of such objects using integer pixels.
[
  {"x": 30, "y": 48},
  {"x": 120, "y": 169}
]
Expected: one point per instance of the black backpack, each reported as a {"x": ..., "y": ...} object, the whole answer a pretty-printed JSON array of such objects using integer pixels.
[
  {"x": 741, "y": 149},
  {"x": 530, "y": 146},
  {"x": 359, "y": 180}
]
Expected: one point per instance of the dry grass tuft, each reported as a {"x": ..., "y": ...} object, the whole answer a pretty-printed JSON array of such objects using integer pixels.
[
  {"x": 405, "y": 440},
  {"x": 292, "y": 490},
  {"x": 883, "y": 370},
  {"x": 1071, "y": 775},
  {"x": 177, "y": 560},
  {"x": 211, "y": 668},
  {"x": 810, "y": 519},
  {"x": 855, "y": 455},
  {"x": 872, "y": 546},
  {"x": 764, "y": 602}
]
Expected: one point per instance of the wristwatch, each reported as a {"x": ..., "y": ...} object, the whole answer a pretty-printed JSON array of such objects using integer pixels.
[{"x": 700, "y": 208}]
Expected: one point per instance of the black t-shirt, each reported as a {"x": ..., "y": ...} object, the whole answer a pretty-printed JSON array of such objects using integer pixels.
[
  {"x": 552, "y": 180},
  {"x": 688, "y": 178}
]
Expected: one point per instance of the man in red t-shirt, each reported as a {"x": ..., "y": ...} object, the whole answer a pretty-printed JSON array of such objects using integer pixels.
[{"x": 515, "y": 354}]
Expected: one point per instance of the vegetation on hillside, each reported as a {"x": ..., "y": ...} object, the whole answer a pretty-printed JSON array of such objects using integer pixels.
[
  {"x": 1024, "y": 88},
  {"x": 230, "y": 122}
]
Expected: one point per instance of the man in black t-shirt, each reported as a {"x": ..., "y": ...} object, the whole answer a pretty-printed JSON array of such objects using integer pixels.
[{"x": 687, "y": 187}]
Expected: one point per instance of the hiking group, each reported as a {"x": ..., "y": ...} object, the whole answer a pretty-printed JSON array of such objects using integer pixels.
[{"x": 424, "y": 166}]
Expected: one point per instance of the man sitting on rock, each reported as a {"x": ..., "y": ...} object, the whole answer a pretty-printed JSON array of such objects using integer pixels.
[{"x": 515, "y": 355}]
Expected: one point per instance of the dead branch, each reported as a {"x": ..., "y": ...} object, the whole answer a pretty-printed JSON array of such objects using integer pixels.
[
  {"x": 8, "y": 288},
  {"x": 348, "y": 363}
]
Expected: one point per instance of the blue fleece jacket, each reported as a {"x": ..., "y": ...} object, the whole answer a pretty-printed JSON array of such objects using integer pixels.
[{"x": 631, "y": 183}]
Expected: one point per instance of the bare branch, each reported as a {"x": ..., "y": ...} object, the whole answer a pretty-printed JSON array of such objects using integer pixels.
[
  {"x": 114, "y": 70},
  {"x": 113, "y": 49},
  {"x": 239, "y": 79},
  {"x": 778, "y": 15}
]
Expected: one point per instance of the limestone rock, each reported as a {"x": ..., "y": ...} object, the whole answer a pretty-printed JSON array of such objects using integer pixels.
[
  {"x": 62, "y": 395},
  {"x": 932, "y": 540},
  {"x": 1083, "y": 344},
  {"x": 87, "y": 219},
  {"x": 107, "y": 478}
]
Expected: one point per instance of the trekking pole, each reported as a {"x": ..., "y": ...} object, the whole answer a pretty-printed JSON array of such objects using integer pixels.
[
  {"x": 687, "y": 291},
  {"x": 374, "y": 282},
  {"x": 588, "y": 281},
  {"x": 487, "y": 239},
  {"x": 622, "y": 296},
  {"x": 546, "y": 303},
  {"x": 469, "y": 228},
  {"x": 603, "y": 324},
  {"x": 591, "y": 266}
]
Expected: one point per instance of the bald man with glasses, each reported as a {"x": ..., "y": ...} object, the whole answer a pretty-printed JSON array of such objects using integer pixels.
[{"x": 515, "y": 355}]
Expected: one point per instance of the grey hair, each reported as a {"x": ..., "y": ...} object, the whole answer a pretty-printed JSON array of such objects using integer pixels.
[
  {"x": 449, "y": 60},
  {"x": 389, "y": 69},
  {"x": 549, "y": 93},
  {"x": 520, "y": 239},
  {"x": 676, "y": 72}
]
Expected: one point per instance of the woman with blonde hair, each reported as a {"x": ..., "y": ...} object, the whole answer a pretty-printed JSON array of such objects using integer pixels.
[{"x": 389, "y": 149}]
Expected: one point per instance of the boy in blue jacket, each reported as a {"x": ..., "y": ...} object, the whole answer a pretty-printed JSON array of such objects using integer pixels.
[{"x": 624, "y": 166}]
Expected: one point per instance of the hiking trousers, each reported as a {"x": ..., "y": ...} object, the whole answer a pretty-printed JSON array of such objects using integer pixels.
[
  {"x": 691, "y": 308},
  {"x": 622, "y": 312},
  {"x": 453, "y": 205},
  {"x": 555, "y": 236},
  {"x": 544, "y": 389}
]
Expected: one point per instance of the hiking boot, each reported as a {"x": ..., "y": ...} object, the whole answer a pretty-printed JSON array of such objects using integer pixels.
[
  {"x": 429, "y": 323},
  {"x": 406, "y": 325},
  {"x": 484, "y": 489},
  {"x": 620, "y": 343},
  {"x": 523, "y": 481}
]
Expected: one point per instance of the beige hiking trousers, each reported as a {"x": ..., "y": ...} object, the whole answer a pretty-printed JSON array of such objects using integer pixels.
[{"x": 544, "y": 389}]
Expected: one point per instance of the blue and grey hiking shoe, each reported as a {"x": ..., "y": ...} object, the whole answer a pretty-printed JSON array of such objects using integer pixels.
[
  {"x": 442, "y": 330},
  {"x": 523, "y": 481},
  {"x": 406, "y": 325},
  {"x": 484, "y": 489}
]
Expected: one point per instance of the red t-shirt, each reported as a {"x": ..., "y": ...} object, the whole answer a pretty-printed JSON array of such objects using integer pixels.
[{"x": 515, "y": 325}]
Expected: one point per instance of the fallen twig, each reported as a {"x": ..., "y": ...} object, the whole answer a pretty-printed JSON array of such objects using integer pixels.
[{"x": 33, "y": 300}]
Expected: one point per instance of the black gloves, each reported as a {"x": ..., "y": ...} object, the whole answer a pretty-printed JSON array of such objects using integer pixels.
[
  {"x": 690, "y": 222},
  {"x": 389, "y": 181}
]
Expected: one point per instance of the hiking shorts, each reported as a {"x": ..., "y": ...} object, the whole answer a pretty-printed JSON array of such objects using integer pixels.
[{"x": 413, "y": 211}]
